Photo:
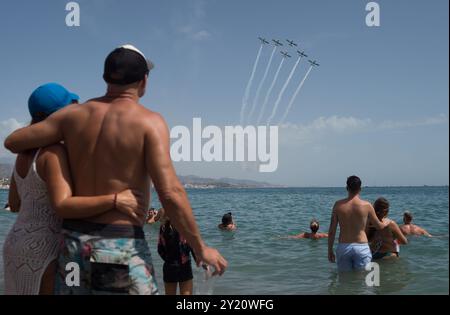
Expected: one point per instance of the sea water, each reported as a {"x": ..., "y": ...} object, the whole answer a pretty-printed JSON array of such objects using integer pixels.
[{"x": 260, "y": 262}]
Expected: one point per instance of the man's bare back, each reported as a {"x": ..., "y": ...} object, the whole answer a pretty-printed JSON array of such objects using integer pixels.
[
  {"x": 352, "y": 216},
  {"x": 105, "y": 138},
  {"x": 412, "y": 229}
]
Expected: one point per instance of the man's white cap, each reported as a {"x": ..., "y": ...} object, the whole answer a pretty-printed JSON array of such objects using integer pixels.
[{"x": 133, "y": 48}]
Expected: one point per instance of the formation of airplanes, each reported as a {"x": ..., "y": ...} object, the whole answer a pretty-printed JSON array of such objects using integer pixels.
[{"x": 285, "y": 54}]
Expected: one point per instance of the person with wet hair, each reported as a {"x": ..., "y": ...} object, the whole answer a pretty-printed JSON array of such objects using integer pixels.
[
  {"x": 314, "y": 235},
  {"x": 227, "y": 223},
  {"x": 408, "y": 228}
]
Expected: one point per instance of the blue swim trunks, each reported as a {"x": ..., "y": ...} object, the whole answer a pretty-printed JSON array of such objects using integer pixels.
[
  {"x": 352, "y": 256},
  {"x": 112, "y": 259}
]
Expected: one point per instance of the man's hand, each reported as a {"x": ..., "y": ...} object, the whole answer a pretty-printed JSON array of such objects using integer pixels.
[
  {"x": 132, "y": 203},
  {"x": 210, "y": 256},
  {"x": 331, "y": 257}
]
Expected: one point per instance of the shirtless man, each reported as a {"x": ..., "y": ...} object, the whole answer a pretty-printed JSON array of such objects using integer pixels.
[
  {"x": 114, "y": 143},
  {"x": 411, "y": 229},
  {"x": 314, "y": 235},
  {"x": 352, "y": 213}
]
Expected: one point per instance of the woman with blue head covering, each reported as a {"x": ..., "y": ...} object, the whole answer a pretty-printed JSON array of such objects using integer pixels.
[{"x": 41, "y": 194}]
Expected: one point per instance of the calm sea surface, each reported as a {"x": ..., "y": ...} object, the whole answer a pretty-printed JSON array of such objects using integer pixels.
[{"x": 262, "y": 263}]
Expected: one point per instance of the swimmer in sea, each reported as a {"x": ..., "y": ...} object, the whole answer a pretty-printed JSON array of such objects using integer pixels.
[
  {"x": 314, "y": 235},
  {"x": 227, "y": 223},
  {"x": 154, "y": 215},
  {"x": 411, "y": 229}
]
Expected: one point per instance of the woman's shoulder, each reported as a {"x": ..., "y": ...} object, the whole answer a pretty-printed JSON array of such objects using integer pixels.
[
  {"x": 48, "y": 154},
  {"x": 393, "y": 224}
]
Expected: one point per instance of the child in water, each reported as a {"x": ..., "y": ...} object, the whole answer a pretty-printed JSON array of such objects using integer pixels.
[
  {"x": 174, "y": 250},
  {"x": 227, "y": 222}
]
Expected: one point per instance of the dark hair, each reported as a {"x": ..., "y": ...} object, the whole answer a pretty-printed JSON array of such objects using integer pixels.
[
  {"x": 408, "y": 215},
  {"x": 353, "y": 184},
  {"x": 125, "y": 66},
  {"x": 314, "y": 225},
  {"x": 227, "y": 218},
  {"x": 381, "y": 206}
]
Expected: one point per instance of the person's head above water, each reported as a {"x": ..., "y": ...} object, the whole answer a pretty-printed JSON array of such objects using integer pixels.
[
  {"x": 407, "y": 217},
  {"x": 127, "y": 68},
  {"x": 353, "y": 184},
  {"x": 227, "y": 219},
  {"x": 314, "y": 225},
  {"x": 47, "y": 99},
  {"x": 381, "y": 206}
]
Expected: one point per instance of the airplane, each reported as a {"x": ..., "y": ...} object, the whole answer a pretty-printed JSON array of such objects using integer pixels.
[
  {"x": 263, "y": 40},
  {"x": 313, "y": 63},
  {"x": 291, "y": 43},
  {"x": 302, "y": 54},
  {"x": 277, "y": 42},
  {"x": 285, "y": 54}
]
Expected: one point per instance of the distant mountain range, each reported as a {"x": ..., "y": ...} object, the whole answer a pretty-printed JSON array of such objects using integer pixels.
[
  {"x": 189, "y": 181},
  {"x": 196, "y": 181},
  {"x": 6, "y": 170}
]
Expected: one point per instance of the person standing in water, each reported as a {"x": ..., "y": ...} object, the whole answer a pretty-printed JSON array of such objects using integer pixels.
[
  {"x": 41, "y": 193},
  {"x": 154, "y": 215},
  {"x": 386, "y": 242},
  {"x": 352, "y": 214},
  {"x": 175, "y": 251},
  {"x": 408, "y": 228}
]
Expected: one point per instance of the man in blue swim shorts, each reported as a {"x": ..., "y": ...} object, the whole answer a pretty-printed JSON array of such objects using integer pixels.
[{"x": 352, "y": 214}]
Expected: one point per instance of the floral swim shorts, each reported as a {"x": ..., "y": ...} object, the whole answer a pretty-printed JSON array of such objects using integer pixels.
[{"x": 104, "y": 259}]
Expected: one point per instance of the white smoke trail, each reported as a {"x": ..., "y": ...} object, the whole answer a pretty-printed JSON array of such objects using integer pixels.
[
  {"x": 283, "y": 89},
  {"x": 295, "y": 95},
  {"x": 269, "y": 91},
  {"x": 261, "y": 83},
  {"x": 249, "y": 85}
]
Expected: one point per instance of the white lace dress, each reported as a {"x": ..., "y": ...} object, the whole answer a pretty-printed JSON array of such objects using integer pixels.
[{"x": 34, "y": 239}]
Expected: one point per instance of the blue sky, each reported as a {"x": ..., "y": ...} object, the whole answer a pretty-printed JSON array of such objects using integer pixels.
[{"x": 377, "y": 106}]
